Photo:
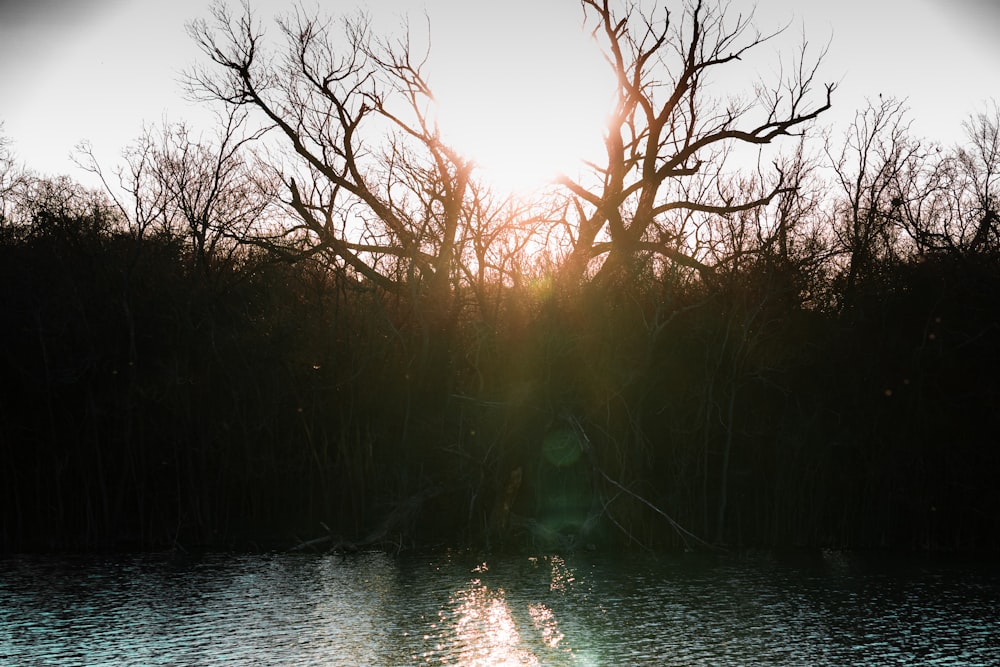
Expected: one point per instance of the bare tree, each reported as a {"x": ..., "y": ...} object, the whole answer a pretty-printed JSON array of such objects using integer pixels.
[
  {"x": 668, "y": 139},
  {"x": 925, "y": 201},
  {"x": 214, "y": 186},
  {"x": 877, "y": 157},
  {"x": 145, "y": 207},
  {"x": 782, "y": 246},
  {"x": 60, "y": 205},
  {"x": 211, "y": 192},
  {"x": 496, "y": 236},
  {"x": 11, "y": 177},
  {"x": 373, "y": 184},
  {"x": 980, "y": 165},
  {"x": 949, "y": 200}
]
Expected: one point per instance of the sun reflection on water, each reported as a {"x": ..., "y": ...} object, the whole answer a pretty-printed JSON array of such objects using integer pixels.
[
  {"x": 562, "y": 575},
  {"x": 484, "y": 625},
  {"x": 545, "y": 623},
  {"x": 484, "y": 631}
]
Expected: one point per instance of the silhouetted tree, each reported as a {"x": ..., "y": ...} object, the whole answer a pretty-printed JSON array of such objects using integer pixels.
[
  {"x": 868, "y": 172},
  {"x": 11, "y": 177},
  {"x": 947, "y": 200},
  {"x": 668, "y": 137},
  {"x": 390, "y": 210},
  {"x": 211, "y": 193},
  {"x": 980, "y": 167}
]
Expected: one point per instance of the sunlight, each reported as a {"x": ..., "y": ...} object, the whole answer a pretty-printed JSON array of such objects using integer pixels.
[
  {"x": 480, "y": 625},
  {"x": 522, "y": 137},
  {"x": 524, "y": 111},
  {"x": 485, "y": 632}
]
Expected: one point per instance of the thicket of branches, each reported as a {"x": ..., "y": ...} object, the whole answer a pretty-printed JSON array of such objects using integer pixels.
[{"x": 319, "y": 321}]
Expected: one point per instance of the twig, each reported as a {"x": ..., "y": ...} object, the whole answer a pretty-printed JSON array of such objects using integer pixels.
[{"x": 681, "y": 531}]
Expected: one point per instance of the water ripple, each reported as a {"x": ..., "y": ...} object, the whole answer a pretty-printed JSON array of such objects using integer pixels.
[{"x": 454, "y": 609}]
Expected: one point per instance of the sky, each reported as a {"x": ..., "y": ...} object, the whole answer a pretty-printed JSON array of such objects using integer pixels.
[{"x": 519, "y": 77}]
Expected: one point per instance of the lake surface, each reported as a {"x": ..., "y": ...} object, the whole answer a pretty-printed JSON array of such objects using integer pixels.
[{"x": 459, "y": 608}]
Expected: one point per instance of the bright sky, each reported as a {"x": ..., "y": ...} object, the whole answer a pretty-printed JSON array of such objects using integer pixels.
[{"x": 99, "y": 69}]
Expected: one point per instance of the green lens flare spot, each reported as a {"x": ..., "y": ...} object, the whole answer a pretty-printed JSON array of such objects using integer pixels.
[{"x": 561, "y": 448}]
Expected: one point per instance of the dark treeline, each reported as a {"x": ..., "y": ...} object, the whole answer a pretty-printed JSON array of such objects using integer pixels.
[{"x": 297, "y": 332}]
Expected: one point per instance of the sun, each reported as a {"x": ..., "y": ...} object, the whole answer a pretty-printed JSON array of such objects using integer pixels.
[
  {"x": 521, "y": 136},
  {"x": 525, "y": 112}
]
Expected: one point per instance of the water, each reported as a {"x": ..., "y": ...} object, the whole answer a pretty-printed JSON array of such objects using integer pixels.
[{"x": 456, "y": 608}]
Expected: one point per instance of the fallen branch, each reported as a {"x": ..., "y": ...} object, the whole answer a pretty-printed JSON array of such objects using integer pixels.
[
  {"x": 681, "y": 531},
  {"x": 395, "y": 524}
]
